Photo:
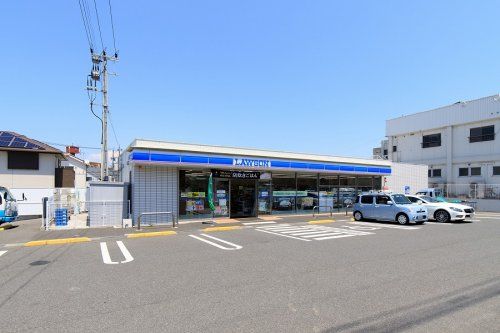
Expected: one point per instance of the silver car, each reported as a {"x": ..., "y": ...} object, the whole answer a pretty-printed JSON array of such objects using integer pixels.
[{"x": 388, "y": 207}]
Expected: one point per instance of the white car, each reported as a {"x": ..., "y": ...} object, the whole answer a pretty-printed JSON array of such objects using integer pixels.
[{"x": 443, "y": 211}]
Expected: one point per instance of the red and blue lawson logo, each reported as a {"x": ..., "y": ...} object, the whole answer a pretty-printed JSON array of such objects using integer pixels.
[{"x": 247, "y": 162}]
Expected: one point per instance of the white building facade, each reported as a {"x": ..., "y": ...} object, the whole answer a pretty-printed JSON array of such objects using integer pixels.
[{"x": 458, "y": 142}]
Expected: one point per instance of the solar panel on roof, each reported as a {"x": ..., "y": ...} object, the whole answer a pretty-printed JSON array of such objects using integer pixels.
[
  {"x": 11, "y": 141},
  {"x": 33, "y": 146},
  {"x": 4, "y": 143}
]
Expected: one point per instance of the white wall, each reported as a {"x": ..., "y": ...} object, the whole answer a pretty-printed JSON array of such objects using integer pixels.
[
  {"x": 412, "y": 175},
  {"x": 42, "y": 178},
  {"x": 454, "y": 123}
]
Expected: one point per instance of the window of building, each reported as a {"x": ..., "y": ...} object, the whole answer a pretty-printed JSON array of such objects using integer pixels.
[
  {"x": 385, "y": 152},
  {"x": 436, "y": 173},
  {"x": 429, "y": 173},
  {"x": 22, "y": 160},
  {"x": 496, "y": 171},
  {"x": 394, "y": 149},
  {"x": 476, "y": 171},
  {"x": 284, "y": 191},
  {"x": 479, "y": 134},
  {"x": 431, "y": 140},
  {"x": 193, "y": 186},
  {"x": 463, "y": 172},
  {"x": 307, "y": 192},
  {"x": 367, "y": 199}
]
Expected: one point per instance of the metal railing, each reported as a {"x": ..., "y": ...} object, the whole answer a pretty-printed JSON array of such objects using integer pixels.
[
  {"x": 174, "y": 223},
  {"x": 318, "y": 207}
]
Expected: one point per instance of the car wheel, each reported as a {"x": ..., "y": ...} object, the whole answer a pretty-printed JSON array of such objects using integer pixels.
[
  {"x": 402, "y": 219},
  {"x": 442, "y": 216},
  {"x": 358, "y": 216}
]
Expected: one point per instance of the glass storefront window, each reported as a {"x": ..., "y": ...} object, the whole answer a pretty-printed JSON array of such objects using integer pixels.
[
  {"x": 193, "y": 186},
  {"x": 365, "y": 184},
  {"x": 283, "y": 194},
  {"x": 328, "y": 191},
  {"x": 347, "y": 190},
  {"x": 264, "y": 197},
  {"x": 307, "y": 192},
  {"x": 221, "y": 197}
]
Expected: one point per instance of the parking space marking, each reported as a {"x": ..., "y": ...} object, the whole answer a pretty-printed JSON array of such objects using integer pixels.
[
  {"x": 278, "y": 234},
  {"x": 488, "y": 217},
  {"x": 311, "y": 232},
  {"x": 383, "y": 225},
  {"x": 105, "y": 255},
  {"x": 126, "y": 253},
  {"x": 106, "y": 258},
  {"x": 222, "y": 247},
  {"x": 2, "y": 253},
  {"x": 258, "y": 223}
]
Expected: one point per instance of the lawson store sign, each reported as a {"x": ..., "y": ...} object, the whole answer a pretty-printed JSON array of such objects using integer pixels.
[{"x": 242, "y": 162}]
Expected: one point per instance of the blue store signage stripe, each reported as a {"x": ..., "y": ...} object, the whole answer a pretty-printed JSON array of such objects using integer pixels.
[{"x": 215, "y": 160}]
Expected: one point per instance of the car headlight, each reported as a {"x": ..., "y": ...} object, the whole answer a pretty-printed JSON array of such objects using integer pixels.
[{"x": 455, "y": 209}]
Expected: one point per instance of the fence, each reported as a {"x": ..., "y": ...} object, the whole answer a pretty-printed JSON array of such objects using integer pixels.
[
  {"x": 470, "y": 191},
  {"x": 81, "y": 214}
]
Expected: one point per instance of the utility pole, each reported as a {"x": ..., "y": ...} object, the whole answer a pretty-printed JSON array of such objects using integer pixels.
[{"x": 98, "y": 61}]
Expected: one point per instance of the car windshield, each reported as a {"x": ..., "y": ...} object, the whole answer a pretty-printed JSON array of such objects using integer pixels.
[
  {"x": 429, "y": 199},
  {"x": 401, "y": 199}
]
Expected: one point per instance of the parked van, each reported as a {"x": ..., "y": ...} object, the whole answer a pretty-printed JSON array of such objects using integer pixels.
[{"x": 8, "y": 206}]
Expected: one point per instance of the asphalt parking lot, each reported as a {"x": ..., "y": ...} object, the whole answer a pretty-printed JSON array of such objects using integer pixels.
[{"x": 282, "y": 275}]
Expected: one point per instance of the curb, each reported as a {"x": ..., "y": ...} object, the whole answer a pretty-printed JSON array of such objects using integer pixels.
[
  {"x": 211, "y": 229},
  {"x": 57, "y": 241},
  {"x": 6, "y": 227},
  {"x": 320, "y": 221},
  {"x": 151, "y": 234}
]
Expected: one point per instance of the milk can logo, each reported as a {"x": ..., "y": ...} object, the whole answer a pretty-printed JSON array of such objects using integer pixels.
[{"x": 247, "y": 162}]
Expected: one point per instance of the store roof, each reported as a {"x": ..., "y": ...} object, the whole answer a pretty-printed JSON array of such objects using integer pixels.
[{"x": 142, "y": 144}]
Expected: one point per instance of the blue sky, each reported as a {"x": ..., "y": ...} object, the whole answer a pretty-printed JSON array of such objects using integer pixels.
[{"x": 305, "y": 76}]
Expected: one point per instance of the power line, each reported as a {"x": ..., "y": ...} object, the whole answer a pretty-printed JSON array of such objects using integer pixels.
[
  {"x": 87, "y": 33},
  {"x": 98, "y": 24},
  {"x": 88, "y": 18},
  {"x": 66, "y": 145},
  {"x": 114, "y": 133},
  {"x": 112, "y": 27}
]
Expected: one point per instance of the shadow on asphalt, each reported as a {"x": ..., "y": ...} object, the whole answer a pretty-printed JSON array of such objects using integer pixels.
[{"x": 418, "y": 313}]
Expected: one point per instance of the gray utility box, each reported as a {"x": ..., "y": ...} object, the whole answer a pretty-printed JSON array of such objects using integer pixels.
[{"x": 107, "y": 203}]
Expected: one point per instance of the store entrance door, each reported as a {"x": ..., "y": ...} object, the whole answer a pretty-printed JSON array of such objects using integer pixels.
[{"x": 243, "y": 198}]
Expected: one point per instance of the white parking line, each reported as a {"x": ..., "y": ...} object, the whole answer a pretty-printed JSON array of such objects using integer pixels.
[
  {"x": 258, "y": 223},
  {"x": 107, "y": 259},
  {"x": 105, "y": 255},
  {"x": 383, "y": 225},
  {"x": 234, "y": 246},
  {"x": 488, "y": 217},
  {"x": 2, "y": 253},
  {"x": 277, "y": 234},
  {"x": 126, "y": 254},
  {"x": 308, "y": 232}
]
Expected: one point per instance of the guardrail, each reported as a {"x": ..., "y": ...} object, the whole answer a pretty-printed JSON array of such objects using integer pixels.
[
  {"x": 318, "y": 207},
  {"x": 174, "y": 223}
]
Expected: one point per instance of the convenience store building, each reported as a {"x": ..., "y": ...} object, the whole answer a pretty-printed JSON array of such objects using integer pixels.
[{"x": 173, "y": 177}]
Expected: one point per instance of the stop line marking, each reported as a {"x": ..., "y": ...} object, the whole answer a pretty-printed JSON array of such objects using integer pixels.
[{"x": 2, "y": 253}]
